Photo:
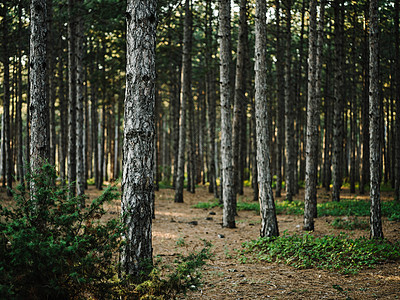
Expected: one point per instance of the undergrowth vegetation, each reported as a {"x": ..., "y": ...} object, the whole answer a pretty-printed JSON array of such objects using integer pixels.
[
  {"x": 346, "y": 207},
  {"x": 53, "y": 248},
  {"x": 337, "y": 253}
]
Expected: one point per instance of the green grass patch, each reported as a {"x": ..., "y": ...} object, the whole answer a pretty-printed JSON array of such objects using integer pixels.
[
  {"x": 352, "y": 224},
  {"x": 334, "y": 253},
  {"x": 207, "y": 205}
]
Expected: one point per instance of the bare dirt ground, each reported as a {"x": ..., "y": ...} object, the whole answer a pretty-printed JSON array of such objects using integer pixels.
[{"x": 224, "y": 277}]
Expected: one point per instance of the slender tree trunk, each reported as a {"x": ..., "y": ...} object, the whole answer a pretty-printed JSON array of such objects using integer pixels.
[
  {"x": 269, "y": 224},
  {"x": 289, "y": 114},
  {"x": 39, "y": 105},
  {"x": 364, "y": 109},
  {"x": 80, "y": 168},
  {"x": 63, "y": 107},
  {"x": 211, "y": 99},
  {"x": 72, "y": 99},
  {"x": 374, "y": 120},
  {"x": 338, "y": 106},
  {"x": 280, "y": 110},
  {"x": 7, "y": 156},
  {"x": 240, "y": 90},
  {"x": 137, "y": 179},
  {"x": 228, "y": 191},
  {"x": 185, "y": 95},
  {"x": 310, "y": 199}
]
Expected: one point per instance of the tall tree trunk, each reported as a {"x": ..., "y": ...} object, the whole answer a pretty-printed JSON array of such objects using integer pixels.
[
  {"x": 7, "y": 156},
  {"x": 72, "y": 98},
  {"x": 185, "y": 95},
  {"x": 138, "y": 146},
  {"x": 19, "y": 107},
  {"x": 313, "y": 102},
  {"x": 240, "y": 90},
  {"x": 364, "y": 108},
  {"x": 80, "y": 168},
  {"x": 228, "y": 191},
  {"x": 289, "y": 113},
  {"x": 39, "y": 105},
  {"x": 374, "y": 121},
  {"x": 269, "y": 224},
  {"x": 280, "y": 110},
  {"x": 63, "y": 107},
  {"x": 338, "y": 105},
  {"x": 211, "y": 100},
  {"x": 191, "y": 110}
]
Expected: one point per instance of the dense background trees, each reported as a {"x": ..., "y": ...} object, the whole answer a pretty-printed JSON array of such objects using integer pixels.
[{"x": 85, "y": 85}]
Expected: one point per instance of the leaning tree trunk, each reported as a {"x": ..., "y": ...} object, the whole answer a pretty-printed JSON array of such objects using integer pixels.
[
  {"x": 337, "y": 107},
  {"x": 228, "y": 190},
  {"x": 72, "y": 99},
  {"x": 39, "y": 108},
  {"x": 313, "y": 102},
  {"x": 138, "y": 145},
  {"x": 269, "y": 224},
  {"x": 185, "y": 95},
  {"x": 374, "y": 122}
]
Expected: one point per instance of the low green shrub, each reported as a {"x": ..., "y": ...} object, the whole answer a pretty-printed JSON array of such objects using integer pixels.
[
  {"x": 351, "y": 224},
  {"x": 53, "y": 248},
  {"x": 336, "y": 253}
]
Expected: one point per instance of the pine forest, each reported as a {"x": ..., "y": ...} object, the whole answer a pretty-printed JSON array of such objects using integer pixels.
[{"x": 155, "y": 149}]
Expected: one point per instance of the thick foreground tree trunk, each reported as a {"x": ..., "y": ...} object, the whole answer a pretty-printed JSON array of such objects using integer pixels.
[
  {"x": 39, "y": 112},
  {"x": 138, "y": 145}
]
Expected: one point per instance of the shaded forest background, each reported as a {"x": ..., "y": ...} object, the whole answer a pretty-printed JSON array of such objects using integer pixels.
[{"x": 100, "y": 26}]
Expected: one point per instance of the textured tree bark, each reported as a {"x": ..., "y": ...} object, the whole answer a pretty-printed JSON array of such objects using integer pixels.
[
  {"x": 240, "y": 90},
  {"x": 185, "y": 95},
  {"x": 39, "y": 112},
  {"x": 338, "y": 106},
  {"x": 374, "y": 122},
  {"x": 313, "y": 102},
  {"x": 138, "y": 145},
  {"x": 80, "y": 168},
  {"x": 210, "y": 87},
  {"x": 228, "y": 190},
  {"x": 71, "y": 99},
  {"x": 269, "y": 224},
  {"x": 289, "y": 114}
]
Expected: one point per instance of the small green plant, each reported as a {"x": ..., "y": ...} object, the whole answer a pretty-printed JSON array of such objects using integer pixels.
[
  {"x": 181, "y": 242},
  {"x": 329, "y": 252},
  {"x": 208, "y": 205},
  {"x": 350, "y": 224},
  {"x": 53, "y": 248}
]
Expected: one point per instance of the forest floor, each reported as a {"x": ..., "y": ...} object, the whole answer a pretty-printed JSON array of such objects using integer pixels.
[
  {"x": 179, "y": 228},
  {"x": 224, "y": 277}
]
